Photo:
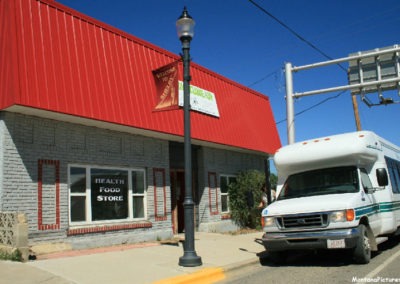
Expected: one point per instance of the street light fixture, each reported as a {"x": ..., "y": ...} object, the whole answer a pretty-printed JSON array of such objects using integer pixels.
[{"x": 184, "y": 26}]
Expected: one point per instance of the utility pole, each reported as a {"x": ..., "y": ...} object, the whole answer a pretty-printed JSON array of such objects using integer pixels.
[
  {"x": 356, "y": 113},
  {"x": 385, "y": 66},
  {"x": 289, "y": 103}
]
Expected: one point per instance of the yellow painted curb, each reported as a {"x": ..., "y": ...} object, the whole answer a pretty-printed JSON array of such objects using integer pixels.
[{"x": 204, "y": 276}]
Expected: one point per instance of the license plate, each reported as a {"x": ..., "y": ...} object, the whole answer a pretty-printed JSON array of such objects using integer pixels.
[{"x": 334, "y": 244}]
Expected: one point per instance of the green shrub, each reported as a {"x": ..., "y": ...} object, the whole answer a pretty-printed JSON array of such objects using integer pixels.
[
  {"x": 14, "y": 256},
  {"x": 245, "y": 196}
]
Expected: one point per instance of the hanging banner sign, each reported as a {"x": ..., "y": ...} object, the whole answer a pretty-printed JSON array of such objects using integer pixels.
[
  {"x": 166, "y": 79},
  {"x": 200, "y": 100}
]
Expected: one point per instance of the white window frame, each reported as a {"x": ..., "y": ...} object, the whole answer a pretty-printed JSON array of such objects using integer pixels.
[
  {"x": 228, "y": 177},
  {"x": 87, "y": 194}
]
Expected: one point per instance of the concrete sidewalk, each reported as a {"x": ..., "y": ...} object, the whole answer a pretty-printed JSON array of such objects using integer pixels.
[{"x": 145, "y": 263}]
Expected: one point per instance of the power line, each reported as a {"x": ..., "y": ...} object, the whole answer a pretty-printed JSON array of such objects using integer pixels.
[
  {"x": 314, "y": 106},
  {"x": 296, "y": 34},
  {"x": 262, "y": 79}
]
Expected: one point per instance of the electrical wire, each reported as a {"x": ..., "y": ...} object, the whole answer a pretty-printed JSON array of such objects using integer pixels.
[
  {"x": 262, "y": 79},
  {"x": 314, "y": 106},
  {"x": 296, "y": 34}
]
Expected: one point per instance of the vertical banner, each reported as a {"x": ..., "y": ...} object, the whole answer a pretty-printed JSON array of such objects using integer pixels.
[{"x": 166, "y": 79}]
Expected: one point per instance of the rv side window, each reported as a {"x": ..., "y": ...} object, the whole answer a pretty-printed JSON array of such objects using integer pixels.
[
  {"x": 394, "y": 173},
  {"x": 366, "y": 182}
]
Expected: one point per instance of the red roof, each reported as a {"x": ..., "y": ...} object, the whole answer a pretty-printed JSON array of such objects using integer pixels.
[{"x": 56, "y": 59}]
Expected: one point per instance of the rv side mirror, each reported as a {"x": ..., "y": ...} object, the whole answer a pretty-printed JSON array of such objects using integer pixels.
[{"x": 382, "y": 177}]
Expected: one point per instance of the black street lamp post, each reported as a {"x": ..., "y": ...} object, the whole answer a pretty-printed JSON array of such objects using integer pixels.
[{"x": 185, "y": 25}]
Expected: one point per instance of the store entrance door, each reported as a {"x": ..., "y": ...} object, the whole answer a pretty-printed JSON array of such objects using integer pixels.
[
  {"x": 177, "y": 197},
  {"x": 177, "y": 178}
]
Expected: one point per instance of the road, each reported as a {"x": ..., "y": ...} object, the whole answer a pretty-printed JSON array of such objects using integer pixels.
[{"x": 324, "y": 267}]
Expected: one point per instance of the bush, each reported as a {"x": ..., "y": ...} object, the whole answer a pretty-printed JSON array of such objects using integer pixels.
[
  {"x": 244, "y": 198},
  {"x": 15, "y": 255}
]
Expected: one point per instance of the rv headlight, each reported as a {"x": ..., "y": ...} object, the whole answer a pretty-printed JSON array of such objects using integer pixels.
[
  {"x": 338, "y": 216},
  {"x": 342, "y": 215},
  {"x": 268, "y": 221}
]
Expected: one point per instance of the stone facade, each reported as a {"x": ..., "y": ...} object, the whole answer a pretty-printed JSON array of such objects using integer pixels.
[{"x": 35, "y": 156}]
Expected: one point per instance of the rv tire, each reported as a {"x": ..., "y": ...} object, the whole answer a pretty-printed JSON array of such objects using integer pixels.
[{"x": 362, "y": 251}]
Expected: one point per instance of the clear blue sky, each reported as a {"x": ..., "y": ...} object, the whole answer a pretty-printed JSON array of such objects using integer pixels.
[{"x": 237, "y": 40}]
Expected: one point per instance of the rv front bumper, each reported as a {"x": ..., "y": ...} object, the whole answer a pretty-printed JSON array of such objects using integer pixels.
[{"x": 326, "y": 239}]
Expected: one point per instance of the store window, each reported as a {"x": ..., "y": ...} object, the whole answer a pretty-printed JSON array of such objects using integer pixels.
[
  {"x": 104, "y": 194},
  {"x": 225, "y": 180}
]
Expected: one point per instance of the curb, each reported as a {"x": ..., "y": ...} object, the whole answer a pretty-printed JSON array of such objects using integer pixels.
[
  {"x": 207, "y": 275},
  {"x": 240, "y": 265}
]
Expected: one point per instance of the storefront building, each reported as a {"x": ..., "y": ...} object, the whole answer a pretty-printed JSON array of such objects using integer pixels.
[{"x": 91, "y": 131}]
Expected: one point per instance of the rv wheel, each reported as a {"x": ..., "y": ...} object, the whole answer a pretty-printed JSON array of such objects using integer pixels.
[{"x": 362, "y": 251}]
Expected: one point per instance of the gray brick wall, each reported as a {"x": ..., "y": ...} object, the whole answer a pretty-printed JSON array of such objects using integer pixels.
[
  {"x": 2, "y": 143},
  {"x": 25, "y": 140},
  {"x": 225, "y": 162}
]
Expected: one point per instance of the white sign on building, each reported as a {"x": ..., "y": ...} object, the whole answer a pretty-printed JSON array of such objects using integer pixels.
[{"x": 200, "y": 100}]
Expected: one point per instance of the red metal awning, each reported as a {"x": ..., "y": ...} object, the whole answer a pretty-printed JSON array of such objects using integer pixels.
[{"x": 56, "y": 59}]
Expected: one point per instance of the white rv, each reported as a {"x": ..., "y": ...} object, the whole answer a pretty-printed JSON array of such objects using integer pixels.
[{"x": 338, "y": 192}]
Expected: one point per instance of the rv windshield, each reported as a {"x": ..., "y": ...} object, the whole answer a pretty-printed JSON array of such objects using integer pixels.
[{"x": 320, "y": 182}]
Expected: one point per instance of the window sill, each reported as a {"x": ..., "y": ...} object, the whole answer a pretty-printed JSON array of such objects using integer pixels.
[
  {"x": 107, "y": 228},
  {"x": 226, "y": 216}
]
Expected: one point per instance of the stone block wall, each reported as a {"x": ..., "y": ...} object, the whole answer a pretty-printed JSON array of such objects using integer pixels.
[
  {"x": 36, "y": 153},
  {"x": 216, "y": 162},
  {"x": 14, "y": 234}
]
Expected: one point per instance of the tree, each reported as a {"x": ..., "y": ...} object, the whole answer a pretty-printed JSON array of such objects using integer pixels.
[{"x": 245, "y": 196}]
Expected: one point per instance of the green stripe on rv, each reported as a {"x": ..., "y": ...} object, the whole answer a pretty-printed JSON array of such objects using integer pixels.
[
  {"x": 389, "y": 206},
  {"x": 377, "y": 208},
  {"x": 367, "y": 210}
]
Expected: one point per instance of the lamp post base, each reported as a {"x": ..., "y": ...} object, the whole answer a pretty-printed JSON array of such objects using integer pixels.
[{"x": 190, "y": 259}]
